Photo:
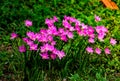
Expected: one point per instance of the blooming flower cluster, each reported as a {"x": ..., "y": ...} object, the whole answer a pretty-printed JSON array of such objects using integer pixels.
[
  {"x": 45, "y": 37},
  {"x": 101, "y": 30}
]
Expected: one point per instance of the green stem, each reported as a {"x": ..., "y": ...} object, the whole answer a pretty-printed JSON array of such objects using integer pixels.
[
  {"x": 55, "y": 3},
  {"x": 25, "y": 71},
  {"x": 49, "y": 65}
]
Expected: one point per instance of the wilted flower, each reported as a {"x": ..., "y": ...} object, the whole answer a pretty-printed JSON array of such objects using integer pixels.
[
  {"x": 13, "y": 35},
  {"x": 28, "y": 23},
  {"x": 22, "y": 48}
]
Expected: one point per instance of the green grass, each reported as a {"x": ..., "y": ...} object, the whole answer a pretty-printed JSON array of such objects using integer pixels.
[{"x": 77, "y": 65}]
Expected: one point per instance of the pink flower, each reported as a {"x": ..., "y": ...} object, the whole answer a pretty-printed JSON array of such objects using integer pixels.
[
  {"x": 61, "y": 30},
  {"x": 53, "y": 43},
  {"x": 52, "y": 30},
  {"x": 13, "y": 35},
  {"x": 50, "y": 22},
  {"x": 60, "y": 54},
  {"x": 33, "y": 47},
  {"x": 44, "y": 56},
  {"x": 101, "y": 37},
  {"x": 37, "y": 36},
  {"x": 22, "y": 48},
  {"x": 101, "y": 29},
  {"x": 77, "y": 23},
  {"x": 42, "y": 49},
  {"x": 89, "y": 49},
  {"x": 43, "y": 31},
  {"x": 25, "y": 39},
  {"x": 90, "y": 29},
  {"x": 55, "y": 18},
  {"x": 28, "y": 23},
  {"x": 46, "y": 47},
  {"x": 66, "y": 24},
  {"x": 63, "y": 38},
  {"x": 91, "y": 40},
  {"x": 107, "y": 50},
  {"x": 92, "y": 35},
  {"x": 31, "y": 35},
  {"x": 97, "y": 18},
  {"x": 70, "y": 35},
  {"x": 98, "y": 50},
  {"x": 90, "y": 32},
  {"x": 113, "y": 41},
  {"x": 77, "y": 28},
  {"x": 43, "y": 38},
  {"x": 83, "y": 32},
  {"x": 28, "y": 41},
  {"x": 71, "y": 29},
  {"x": 53, "y": 56},
  {"x": 50, "y": 38},
  {"x": 84, "y": 26}
]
